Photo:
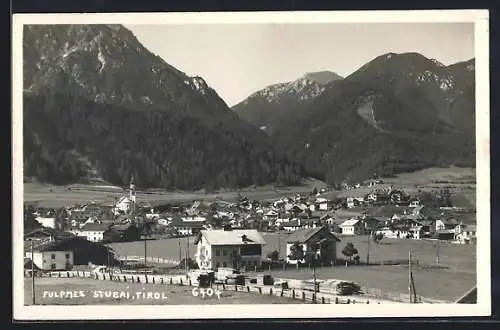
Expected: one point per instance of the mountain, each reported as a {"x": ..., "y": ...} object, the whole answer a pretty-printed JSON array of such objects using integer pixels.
[
  {"x": 322, "y": 77},
  {"x": 277, "y": 104},
  {"x": 100, "y": 106},
  {"x": 397, "y": 113}
]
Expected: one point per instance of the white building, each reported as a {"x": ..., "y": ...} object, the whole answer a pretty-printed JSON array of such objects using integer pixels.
[
  {"x": 127, "y": 204},
  {"x": 352, "y": 227},
  {"x": 46, "y": 259},
  {"x": 229, "y": 248},
  {"x": 467, "y": 235},
  {"x": 93, "y": 232},
  {"x": 47, "y": 222}
]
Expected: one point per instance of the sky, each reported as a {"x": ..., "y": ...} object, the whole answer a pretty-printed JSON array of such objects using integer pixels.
[{"x": 239, "y": 59}]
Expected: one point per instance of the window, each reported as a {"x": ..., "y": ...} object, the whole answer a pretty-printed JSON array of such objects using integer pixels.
[
  {"x": 217, "y": 252},
  {"x": 67, "y": 255},
  {"x": 53, "y": 266},
  {"x": 53, "y": 256},
  {"x": 224, "y": 252}
]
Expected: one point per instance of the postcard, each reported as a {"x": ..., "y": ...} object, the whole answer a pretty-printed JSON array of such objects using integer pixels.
[{"x": 251, "y": 165}]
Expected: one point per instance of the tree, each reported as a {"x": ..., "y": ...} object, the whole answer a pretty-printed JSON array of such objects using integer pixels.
[
  {"x": 274, "y": 255},
  {"x": 445, "y": 198},
  {"x": 190, "y": 263},
  {"x": 349, "y": 251},
  {"x": 30, "y": 222},
  {"x": 61, "y": 219},
  {"x": 377, "y": 237},
  {"x": 296, "y": 253}
]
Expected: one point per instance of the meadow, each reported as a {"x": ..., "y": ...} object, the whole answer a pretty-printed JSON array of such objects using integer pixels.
[
  {"x": 455, "y": 274},
  {"x": 58, "y": 196}
]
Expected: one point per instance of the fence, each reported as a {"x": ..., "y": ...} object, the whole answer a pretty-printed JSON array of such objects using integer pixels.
[
  {"x": 156, "y": 260},
  {"x": 304, "y": 295}
]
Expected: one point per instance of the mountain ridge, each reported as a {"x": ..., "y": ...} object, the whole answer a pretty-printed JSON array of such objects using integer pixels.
[
  {"x": 392, "y": 115},
  {"x": 267, "y": 108},
  {"x": 96, "y": 95}
]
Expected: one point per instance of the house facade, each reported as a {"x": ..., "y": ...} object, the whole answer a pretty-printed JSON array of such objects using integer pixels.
[
  {"x": 229, "y": 248},
  {"x": 318, "y": 242},
  {"x": 467, "y": 235},
  {"x": 52, "y": 260},
  {"x": 352, "y": 227},
  {"x": 93, "y": 232},
  {"x": 354, "y": 201}
]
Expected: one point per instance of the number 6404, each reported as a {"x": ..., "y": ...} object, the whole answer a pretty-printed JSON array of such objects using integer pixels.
[{"x": 208, "y": 292}]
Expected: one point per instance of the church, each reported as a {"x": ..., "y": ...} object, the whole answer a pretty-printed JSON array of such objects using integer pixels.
[{"x": 126, "y": 204}]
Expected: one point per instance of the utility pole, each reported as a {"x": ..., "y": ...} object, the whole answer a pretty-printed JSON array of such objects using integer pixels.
[
  {"x": 180, "y": 253},
  {"x": 145, "y": 248},
  {"x": 368, "y": 250},
  {"x": 279, "y": 244},
  {"x": 187, "y": 256},
  {"x": 32, "y": 274},
  {"x": 437, "y": 251},
  {"x": 186, "y": 262},
  {"x": 409, "y": 276}
]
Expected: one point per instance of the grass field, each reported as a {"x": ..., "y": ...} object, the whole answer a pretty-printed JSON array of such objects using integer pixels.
[
  {"x": 88, "y": 294},
  {"x": 454, "y": 276},
  {"x": 58, "y": 196},
  {"x": 461, "y": 182}
]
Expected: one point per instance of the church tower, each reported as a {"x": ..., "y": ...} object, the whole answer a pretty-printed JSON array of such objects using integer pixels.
[{"x": 132, "y": 195}]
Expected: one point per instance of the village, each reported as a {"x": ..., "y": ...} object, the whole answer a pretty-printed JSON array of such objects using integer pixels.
[{"x": 306, "y": 233}]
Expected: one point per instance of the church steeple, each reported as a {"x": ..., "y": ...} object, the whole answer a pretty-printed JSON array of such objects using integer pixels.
[{"x": 132, "y": 194}]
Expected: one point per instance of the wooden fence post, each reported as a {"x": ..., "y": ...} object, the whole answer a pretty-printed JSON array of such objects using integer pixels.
[
  {"x": 138, "y": 279},
  {"x": 153, "y": 280},
  {"x": 322, "y": 300},
  {"x": 171, "y": 281},
  {"x": 260, "y": 290},
  {"x": 303, "y": 296},
  {"x": 181, "y": 281},
  {"x": 161, "y": 280},
  {"x": 248, "y": 288},
  {"x": 293, "y": 293},
  {"x": 270, "y": 291},
  {"x": 190, "y": 283}
]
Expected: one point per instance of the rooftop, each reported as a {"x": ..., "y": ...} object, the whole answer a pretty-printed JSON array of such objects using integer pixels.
[
  {"x": 233, "y": 237},
  {"x": 350, "y": 222},
  {"x": 303, "y": 235},
  {"x": 95, "y": 227}
]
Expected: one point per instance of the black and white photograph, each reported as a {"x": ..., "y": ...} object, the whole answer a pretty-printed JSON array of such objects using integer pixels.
[{"x": 222, "y": 165}]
